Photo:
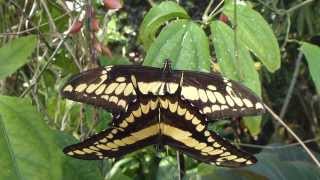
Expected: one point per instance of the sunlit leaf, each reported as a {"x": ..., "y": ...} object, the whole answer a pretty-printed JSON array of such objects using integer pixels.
[
  {"x": 15, "y": 54},
  {"x": 156, "y": 17},
  {"x": 255, "y": 33},
  {"x": 239, "y": 68},
  {"x": 312, "y": 54},
  {"x": 184, "y": 43},
  {"x": 29, "y": 147}
]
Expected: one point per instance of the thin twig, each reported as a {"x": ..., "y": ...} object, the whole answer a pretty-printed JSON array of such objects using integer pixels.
[
  {"x": 291, "y": 87},
  {"x": 299, "y": 5},
  {"x": 276, "y": 146},
  {"x": 37, "y": 76},
  {"x": 276, "y": 117},
  {"x": 181, "y": 168}
]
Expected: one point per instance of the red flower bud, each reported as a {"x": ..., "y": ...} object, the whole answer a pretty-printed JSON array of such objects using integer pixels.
[
  {"x": 112, "y": 4},
  {"x": 76, "y": 27},
  {"x": 223, "y": 18},
  {"x": 95, "y": 25}
]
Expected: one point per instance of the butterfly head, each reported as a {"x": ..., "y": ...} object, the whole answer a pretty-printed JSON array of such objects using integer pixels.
[{"x": 167, "y": 66}]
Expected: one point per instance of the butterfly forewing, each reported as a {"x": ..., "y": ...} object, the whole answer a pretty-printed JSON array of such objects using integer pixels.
[
  {"x": 111, "y": 88},
  {"x": 218, "y": 97}
]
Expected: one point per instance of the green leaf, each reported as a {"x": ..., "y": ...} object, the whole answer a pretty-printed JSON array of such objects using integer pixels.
[
  {"x": 30, "y": 150},
  {"x": 184, "y": 43},
  {"x": 271, "y": 165},
  {"x": 312, "y": 54},
  {"x": 256, "y": 35},
  {"x": 15, "y": 54},
  {"x": 76, "y": 168},
  {"x": 28, "y": 147},
  {"x": 156, "y": 17},
  {"x": 240, "y": 69}
]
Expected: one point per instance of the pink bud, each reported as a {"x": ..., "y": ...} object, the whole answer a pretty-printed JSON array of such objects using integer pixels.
[{"x": 112, "y": 4}]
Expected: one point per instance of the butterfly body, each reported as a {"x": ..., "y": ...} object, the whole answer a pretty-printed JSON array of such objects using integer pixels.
[{"x": 161, "y": 106}]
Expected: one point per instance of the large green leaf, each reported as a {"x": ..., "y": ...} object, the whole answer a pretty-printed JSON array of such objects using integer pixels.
[
  {"x": 272, "y": 164},
  {"x": 15, "y": 54},
  {"x": 76, "y": 169},
  {"x": 312, "y": 54},
  {"x": 256, "y": 35},
  {"x": 184, "y": 43},
  {"x": 30, "y": 150},
  {"x": 240, "y": 69},
  {"x": 156, "y": 17}
]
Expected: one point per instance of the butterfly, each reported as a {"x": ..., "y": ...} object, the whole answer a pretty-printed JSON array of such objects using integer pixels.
[{"x": 162, "y": 106}]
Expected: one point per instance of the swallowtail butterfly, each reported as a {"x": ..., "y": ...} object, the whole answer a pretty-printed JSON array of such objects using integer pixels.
[{"x": 162, "y": 106}]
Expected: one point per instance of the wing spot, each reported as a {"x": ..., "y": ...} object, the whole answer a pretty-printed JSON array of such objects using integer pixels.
[
  {"x": 200, "y": 146},
  {"x": 137, "y": 113},
  {"x": 100, "y": 89},
  {"x": 190, "y": 92},
  {"x": 113, "y": 99},
  {"x": 200, "y": 127},
  {"x": 259, "y": 105},
  {"x": 145, "y": 108},
  {"x": 181, "y": 111},
  {"x": 104, "y": 140},
  {"x": 203, "y": 95},
  {"x": 110, "y": 136},
  {"x": 114, "y": 131},
  {"x": 122, "y": 103},
  {"x": 120, "y": 88},
  {"x": 128, "y": 90},
  {"x": 173, "y": 107},
  {"x": 207, "y": 149},
  {"x": 172, "y": 87},
  {"x": 206, "y": 110},
  {"x": 120, "y": 79},
  {"x": 124, "y": 124},
  {"x": 80, "y": 88},
  {"x": 240, "y": 160},
  {"x": 188, "y": 115},
  {"x": 111, "y": 88},
  {"x": 212, "y": 87},
  {"x": 220, "y": 97},
  {"x": 68, "y": 88},
  {"x": 216, "y": 145},
  {"x": 79, "y": 152},
  {"x": 164, "y": 103},
  {"x": 215, "y": 108},
  {"x": 207, "y": 133},
  {"x": 211, "y": 96},
  {"x": 105, "y": 97},
  {"x": 195, "y": 120},
  {"x": 210, "y": 139},
  {"x": 215, "y": 152},
  {"x": 104, "y": 147},
  {"x": 130, "y": 119},
  {"x": 248, "y": 103},
  {"x": 230, "y": 101}
]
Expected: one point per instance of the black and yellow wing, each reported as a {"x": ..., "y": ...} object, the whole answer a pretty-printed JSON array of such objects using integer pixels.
[
  {"x": 218, "y": 97},
  {"x": 184, "y": 128},
  {"x": 134, "y": 129},
  {"x": 111, "y": 87}
]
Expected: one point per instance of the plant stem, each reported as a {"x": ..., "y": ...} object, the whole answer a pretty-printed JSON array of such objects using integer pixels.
[{"x": 276, "y": 117}]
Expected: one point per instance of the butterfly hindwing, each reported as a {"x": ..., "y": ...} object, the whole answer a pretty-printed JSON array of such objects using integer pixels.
[{"x": 185, "y": 129}]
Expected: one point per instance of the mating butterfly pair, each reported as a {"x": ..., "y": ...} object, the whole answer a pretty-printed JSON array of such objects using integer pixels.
[{"x": 164, "y": 107}]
